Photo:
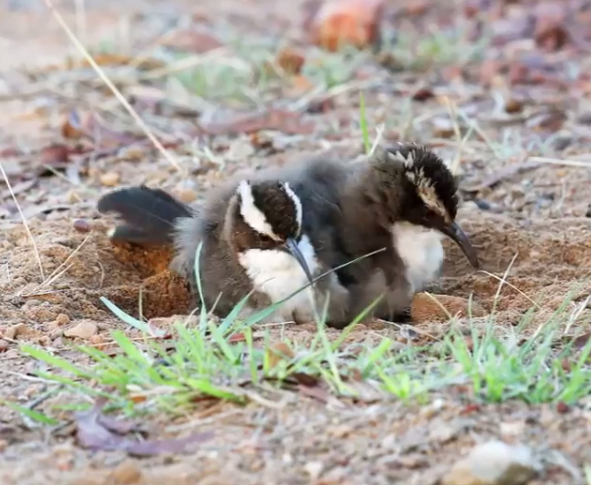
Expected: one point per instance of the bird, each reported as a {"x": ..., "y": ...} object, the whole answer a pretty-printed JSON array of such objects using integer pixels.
[
  {"x": 401, "y": 199},
  {"x": 265, "y": 234}
]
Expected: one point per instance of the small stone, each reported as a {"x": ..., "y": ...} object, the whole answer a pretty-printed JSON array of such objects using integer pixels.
[
  {"x": 126, "y": 473},
  {"x": 62, "y": 319},
  {"x": 82, "y": 225},
  {"x": 493, "y": 463},
  {"x": 4, "y": 345},
  {"x": 314, "y": 469},
  {"x": 97, "y": 340},
  {"x": 20, "y": 329},
  {"x": 511, "y": 429},
  {"x": 110, "y": 179},
  {"x": 9, "y": 333},
  {"x": 186, "y": 196},
  {"x": 83, "y": 330},
  {"x": 56, "y": 333}
]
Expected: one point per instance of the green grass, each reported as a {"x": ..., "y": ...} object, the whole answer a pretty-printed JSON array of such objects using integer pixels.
[{"x": 490, "y": 367}]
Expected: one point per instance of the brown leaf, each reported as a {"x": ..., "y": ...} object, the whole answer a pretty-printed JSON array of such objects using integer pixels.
[
  {"x": 551, "y": 25},
  {"x": 56, "y": 155},
  {"x": 316, "y": 392},
  {"x": 422, "y": 94},
  {"x": 72, "y": 126},
  {"x": 290, "y": 60},
  {"x": 278, "y": 352},
  {"x": 582, "y": 340},
  {"x": 271, "y": 119},
  {"x": 342, "y": 22},
  {"x": 550, "y": 121},
  {"x": 102, "y": 433},
  {"x": 193, "y": 41},
  {"x": 562, "y": 407}
]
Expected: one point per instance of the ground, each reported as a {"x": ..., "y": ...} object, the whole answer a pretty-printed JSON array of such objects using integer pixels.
[{"x": 498, "y": 89}]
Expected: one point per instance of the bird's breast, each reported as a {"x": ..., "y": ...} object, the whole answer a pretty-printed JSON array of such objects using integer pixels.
[
  {"x": 278, "y": 274},
  {"x": 421, "y": 251}
]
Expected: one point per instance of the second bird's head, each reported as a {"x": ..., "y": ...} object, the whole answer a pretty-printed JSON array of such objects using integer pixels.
[
  {"x": 414, "y": 185},
  {"x": 267, "y": 216}
]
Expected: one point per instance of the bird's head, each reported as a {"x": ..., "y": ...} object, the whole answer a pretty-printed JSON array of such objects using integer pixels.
[
  {"x": 425, "y": 190},
  {"x": 267, "y": 215}
]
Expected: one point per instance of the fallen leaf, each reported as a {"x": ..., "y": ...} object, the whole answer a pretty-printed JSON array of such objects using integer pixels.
[
  {"x": 290, "y": 60},
  {"x": 582, "y": 340},
  {"x": 551, "y": 25},
  {"x": 56, "y": 156},
  {"x": 193, "y": 41},
  {"x": 315, "y": 392},
  {"x": 550, "y": 121},
  {"x": 422, "y": 94},
  {"x": 278, "y": 352},
  {"x": 347, "y": 22},
  {"x": 72, "y": 126},
  {"x": 83, "y": 330},
  {"x": 270, "y": 119},
  {"x": 97, "y": 432},
  {"x": 562, "y": 407}
]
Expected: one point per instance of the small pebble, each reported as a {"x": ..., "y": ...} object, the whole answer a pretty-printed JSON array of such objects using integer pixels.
[
  {"x": 110, "y": 179},
  {"x": 493, "y": 463},
  {"x": 83, "y": 330},
  {"x": 82, "y": 225},
  {"x": 4, "y": 345},
  {"x": 126, "y": 473}
]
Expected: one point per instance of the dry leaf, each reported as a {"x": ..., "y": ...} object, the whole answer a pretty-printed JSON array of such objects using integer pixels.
[
  {"x": 98, "y": 432},
  {"x": 278, "y": 352},
  {"x": 551, "y": 25},
  {"x": 422, "y": 94},
  {"x": 193, "y": 41},
  {"x": 341, "y": 22},
  {"x": 57, "y": 155},
  {"x": 271, "y": 119},
  {"x": 291, "y": 60}
]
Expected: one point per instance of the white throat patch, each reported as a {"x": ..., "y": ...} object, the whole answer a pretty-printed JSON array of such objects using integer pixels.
[
  {"x": 421, "y": 251},
  {"x": 253, "y": 216},
  {"x": 278, "y": 275}
]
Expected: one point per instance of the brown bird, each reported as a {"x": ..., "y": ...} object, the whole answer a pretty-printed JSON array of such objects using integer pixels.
[
  {"x": 403, "y": 199},
  {"x": 270, "y": 234}
]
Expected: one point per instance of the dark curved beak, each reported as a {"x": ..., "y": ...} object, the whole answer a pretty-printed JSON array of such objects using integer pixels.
[
  {"x": 291, "y": 246},
  {"x": 455, "y": 232}
]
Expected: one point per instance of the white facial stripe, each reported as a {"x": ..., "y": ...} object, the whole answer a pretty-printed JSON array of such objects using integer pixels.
[
  {"x": 252, "y": 215},
  {"x": 296, "y": 202},
  {"x": 426, "y": 191},
  {"x": 408, "y": 161}
]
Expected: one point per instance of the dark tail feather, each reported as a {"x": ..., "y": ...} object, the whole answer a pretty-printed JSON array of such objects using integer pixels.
[{"x": 148, "y": 215}]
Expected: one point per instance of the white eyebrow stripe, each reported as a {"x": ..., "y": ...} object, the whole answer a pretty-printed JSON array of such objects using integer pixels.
[
  {"x": 252, "y": 215},
  {"x": 296, "y": 202}
]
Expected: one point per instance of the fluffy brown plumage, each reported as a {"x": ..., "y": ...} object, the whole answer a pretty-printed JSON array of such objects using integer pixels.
[
  {"x": 403, "y": 199},
  {"x": 231, "y": 246}
]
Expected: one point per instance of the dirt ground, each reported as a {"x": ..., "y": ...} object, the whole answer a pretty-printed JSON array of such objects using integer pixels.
[{"x": 539, "y": 215}]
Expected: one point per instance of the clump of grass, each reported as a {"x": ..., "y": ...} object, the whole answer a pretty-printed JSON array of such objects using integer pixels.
[
  {"x": 424, "y": 51},
  {"x": 142, "y": 378}
]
